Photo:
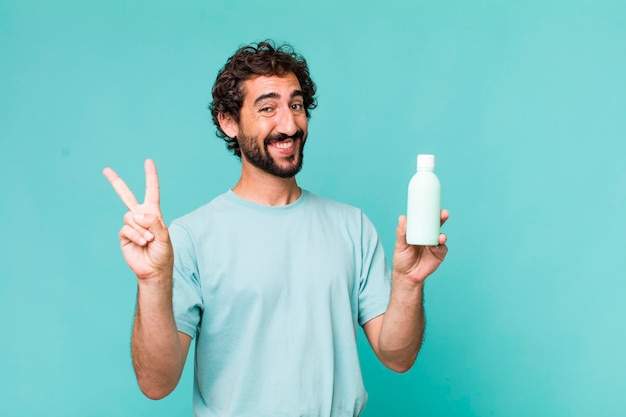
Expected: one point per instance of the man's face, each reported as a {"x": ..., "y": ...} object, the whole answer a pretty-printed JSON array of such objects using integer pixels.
[{"x": 272, "y": 125}]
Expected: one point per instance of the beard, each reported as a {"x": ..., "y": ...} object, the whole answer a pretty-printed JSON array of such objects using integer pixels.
[{"x": 261, "y": 158}]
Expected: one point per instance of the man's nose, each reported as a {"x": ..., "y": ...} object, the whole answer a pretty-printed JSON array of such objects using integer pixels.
[{"x": 287, "y": 123}]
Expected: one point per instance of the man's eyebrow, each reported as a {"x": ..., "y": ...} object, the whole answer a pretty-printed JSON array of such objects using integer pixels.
[
  {"x": 265, "y": 96},
  {"x": 294, "y": 93}
]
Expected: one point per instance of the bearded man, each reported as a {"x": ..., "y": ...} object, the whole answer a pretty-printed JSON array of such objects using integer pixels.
[{"x": 271, "y": 280}]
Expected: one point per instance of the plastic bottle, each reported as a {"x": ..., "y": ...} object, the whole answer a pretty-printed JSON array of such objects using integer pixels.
[{"x": 424, "y": 204}]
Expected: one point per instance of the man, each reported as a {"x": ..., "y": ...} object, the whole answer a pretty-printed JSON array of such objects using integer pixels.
[{"x": 269, "y": 278}]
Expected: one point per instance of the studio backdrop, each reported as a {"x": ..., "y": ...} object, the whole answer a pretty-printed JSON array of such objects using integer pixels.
[{"x": 522, "y": 102}]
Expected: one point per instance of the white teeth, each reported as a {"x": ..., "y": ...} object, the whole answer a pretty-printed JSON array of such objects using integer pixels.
[{"x": 284, "y": 144}]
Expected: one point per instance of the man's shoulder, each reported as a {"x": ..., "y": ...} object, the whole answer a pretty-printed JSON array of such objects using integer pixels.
[
  {"x": 330, "y": 204},
  {"x": 204, "y": 213},
  {"x": 341, "y": 216},
  {"x": 338, "y": 211}
]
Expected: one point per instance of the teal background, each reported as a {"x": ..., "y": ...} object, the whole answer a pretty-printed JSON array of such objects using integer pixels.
[{"x": 523, "y": 103}]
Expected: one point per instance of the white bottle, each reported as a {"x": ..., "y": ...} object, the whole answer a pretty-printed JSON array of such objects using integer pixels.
[{"x": 424, "y": 204}]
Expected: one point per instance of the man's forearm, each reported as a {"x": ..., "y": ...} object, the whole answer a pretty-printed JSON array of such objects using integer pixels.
[
  {"x": 158, "y": 357},
  {"x": 402, "y": 329}
]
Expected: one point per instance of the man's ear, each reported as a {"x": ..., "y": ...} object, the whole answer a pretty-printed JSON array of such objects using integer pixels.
[{"x": 228, "y": 125}]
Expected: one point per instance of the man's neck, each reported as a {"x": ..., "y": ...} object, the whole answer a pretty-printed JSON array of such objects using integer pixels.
[{"x": 262, "y": 188}]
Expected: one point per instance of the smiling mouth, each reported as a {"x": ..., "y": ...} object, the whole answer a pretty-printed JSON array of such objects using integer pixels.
[{"x": 285, "y": 144}]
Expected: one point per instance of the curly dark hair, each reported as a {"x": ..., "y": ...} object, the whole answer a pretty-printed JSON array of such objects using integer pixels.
[{"x": 263, "y": 58}]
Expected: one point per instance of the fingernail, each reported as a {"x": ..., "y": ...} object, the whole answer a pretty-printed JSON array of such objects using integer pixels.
[
  {"x": 138, "y": 216},
  {"x": 148, "y": 235},
  {"x": 142, "y": 241}
]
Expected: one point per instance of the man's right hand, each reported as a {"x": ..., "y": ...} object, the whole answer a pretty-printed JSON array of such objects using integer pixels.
[{"x": 144, "y": 238}]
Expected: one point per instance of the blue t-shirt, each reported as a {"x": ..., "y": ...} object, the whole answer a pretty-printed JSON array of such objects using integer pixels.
[{"x": 274, "y": 297}]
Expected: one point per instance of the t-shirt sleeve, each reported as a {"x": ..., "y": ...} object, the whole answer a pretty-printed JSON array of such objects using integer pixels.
[
  {"x": 375, "y": 279},
  {"x": 187, "y": 293}
]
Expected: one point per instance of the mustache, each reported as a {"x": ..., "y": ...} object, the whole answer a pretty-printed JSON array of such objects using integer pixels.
[{"x": 279, "y": 137}]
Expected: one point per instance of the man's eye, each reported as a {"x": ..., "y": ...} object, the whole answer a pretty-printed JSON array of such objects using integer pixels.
[
  {"x": 265, "y": 109},
  {"x": 297, "y": 106}
]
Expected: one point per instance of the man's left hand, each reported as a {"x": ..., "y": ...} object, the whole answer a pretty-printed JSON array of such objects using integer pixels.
[{"x": 416, "y": 263}]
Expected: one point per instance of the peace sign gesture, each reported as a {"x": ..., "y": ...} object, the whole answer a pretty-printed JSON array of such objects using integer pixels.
[{"x": 144, "y": 237}]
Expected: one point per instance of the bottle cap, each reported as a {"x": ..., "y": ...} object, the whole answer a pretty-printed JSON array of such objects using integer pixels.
[{"x": 425, "y": 161}]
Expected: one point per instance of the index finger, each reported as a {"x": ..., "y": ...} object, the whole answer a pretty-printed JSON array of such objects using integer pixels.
[{"x": 120, "y": 187}]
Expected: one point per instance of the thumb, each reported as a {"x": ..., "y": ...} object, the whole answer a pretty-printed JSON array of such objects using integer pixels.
[{"x": 401, "y": 231}]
